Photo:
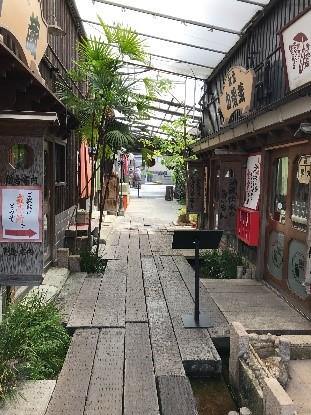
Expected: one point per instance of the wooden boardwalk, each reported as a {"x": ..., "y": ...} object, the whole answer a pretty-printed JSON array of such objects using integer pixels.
[{"x": 130, "y": 353}]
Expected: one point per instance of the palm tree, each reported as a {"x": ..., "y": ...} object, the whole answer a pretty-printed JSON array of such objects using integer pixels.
[{"x": 110, "y": 88}]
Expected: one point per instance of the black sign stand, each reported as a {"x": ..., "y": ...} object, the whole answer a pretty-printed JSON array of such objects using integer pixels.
[{"x": 198, "y": 240}]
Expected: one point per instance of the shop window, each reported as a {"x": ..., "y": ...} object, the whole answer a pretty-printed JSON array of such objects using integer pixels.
[
  {"x": 20, "y": 156},
  {"x": 301, "y": 192},
  {"x": 279, "y": 193},
  {"x": 60, "y": 158}
]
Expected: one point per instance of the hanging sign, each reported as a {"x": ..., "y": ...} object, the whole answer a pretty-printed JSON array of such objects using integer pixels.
[
  {"x": 304, "y": 170},
  {"x": 252, "y": 191},
  {"x": 296, "y": 45},
  {"x": 195, "y": 186},
  {"x": 238, "y": 92},
  {"x": 23, "y": 20},
  {"x": 21, "y": 214}
]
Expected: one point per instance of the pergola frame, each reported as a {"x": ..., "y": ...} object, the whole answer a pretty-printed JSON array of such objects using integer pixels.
[{"x": 174, "y": 18}]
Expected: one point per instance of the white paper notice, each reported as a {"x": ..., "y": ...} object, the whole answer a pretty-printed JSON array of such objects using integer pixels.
[
  {"x": 21, "y": 214},
  {"x": 297, "y": 49},
  {"x": 252, "y": 191}
]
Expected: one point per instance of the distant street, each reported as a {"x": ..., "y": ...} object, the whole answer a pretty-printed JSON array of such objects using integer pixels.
[{"x": 152, "y": 204}]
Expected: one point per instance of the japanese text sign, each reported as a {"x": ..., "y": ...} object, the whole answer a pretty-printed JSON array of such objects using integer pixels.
[
  {"x": 304, "y": 170},
  {"x": 21, "y": 214},
  {"x": 252, "y": 191},
  {"x": 238, "y": 92},
  {"x": 296, "y": 39},
  {"x": 195, "y": 186},
  {"x": 23, "y": 19}
]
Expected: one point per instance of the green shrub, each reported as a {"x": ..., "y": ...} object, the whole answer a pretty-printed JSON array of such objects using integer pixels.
[
  {"x": 33, "y": 343},
  {"x": 91, "y": 263},
  {"x": 220, "y": 264}
]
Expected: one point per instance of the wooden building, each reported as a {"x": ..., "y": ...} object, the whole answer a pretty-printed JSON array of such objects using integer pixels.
[
  {"x": 28, "y": 83},
  {"x": 256, "y": 147}
]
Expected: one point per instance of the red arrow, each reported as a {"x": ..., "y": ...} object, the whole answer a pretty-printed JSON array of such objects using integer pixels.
[{"x": 20, "y": 232}]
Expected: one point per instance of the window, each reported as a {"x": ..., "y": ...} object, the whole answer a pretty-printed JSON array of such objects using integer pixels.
[
  {"x": 279, "y": 193},
  {"x": 60, "y": 158},
  {"x": 20, "y": 156},
  {"x": 301, "y": 179}
]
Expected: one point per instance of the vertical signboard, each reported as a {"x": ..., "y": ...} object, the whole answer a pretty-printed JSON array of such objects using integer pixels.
[
  {"x": 252, "y": 190},
  {"x": 229, "y": 194},
  {"x": 21, "y": 190},
  {"x": 195, "y": 186}
]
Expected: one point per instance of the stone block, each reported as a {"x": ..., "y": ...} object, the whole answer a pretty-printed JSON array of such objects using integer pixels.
[
  {"x": 300, "y": 346},
  {"x": 276, "y": 400},
  {"x": 284, "y": 350},
  {"x": 62, "y": 257},
  {"x": 245, "y": 411},
  {"x": 233, "y": 413},
  {"x": 239, "y": 346},
  {"x": 74, "y": 263}
]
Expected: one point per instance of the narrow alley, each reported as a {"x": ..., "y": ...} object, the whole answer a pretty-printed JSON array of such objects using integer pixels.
[{"x": 155, "y": 207}]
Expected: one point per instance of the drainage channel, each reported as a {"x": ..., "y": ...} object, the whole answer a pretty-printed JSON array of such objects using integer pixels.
[{"x": 213, "y": 395}]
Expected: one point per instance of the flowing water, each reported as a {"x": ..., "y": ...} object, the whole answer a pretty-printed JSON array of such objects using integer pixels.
[{"x": 212, "y": 396}]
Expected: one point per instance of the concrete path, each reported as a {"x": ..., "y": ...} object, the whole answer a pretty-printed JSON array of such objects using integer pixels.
[
  {"x": 256, "y": 306},
  {"x": 299, "y": 387},
  {"x": 152, "y": 205}
]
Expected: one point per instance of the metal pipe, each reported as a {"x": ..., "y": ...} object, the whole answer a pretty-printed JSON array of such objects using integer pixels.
[
  {"x": 170, "y": 112},
  {"x": 154, "y": 68},
  {"x": 165, "y": 16},
  {"x": 254, "y": 3},
  {"x": 181, "y": 61},
  {"x": 177, "y": 42}
]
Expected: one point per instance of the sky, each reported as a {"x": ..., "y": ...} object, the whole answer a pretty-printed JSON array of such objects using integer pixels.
[{"x": 230, "y": 14}]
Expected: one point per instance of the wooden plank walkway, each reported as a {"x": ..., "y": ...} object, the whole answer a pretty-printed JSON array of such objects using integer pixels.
[
  {"x": 130, "y": 353},
  {"x": 105, "y": 392}
]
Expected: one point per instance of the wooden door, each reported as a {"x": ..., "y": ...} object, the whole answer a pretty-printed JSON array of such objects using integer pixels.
[{"x": 287, "y": 218}]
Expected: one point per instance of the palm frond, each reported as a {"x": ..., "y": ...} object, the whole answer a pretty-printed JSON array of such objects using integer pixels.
[{"x": 127, "y": 40}]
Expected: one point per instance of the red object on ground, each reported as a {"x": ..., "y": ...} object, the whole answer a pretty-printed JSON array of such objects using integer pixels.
[
  {"x": 125, "y": 202},
  {"x": 247, "y": 226}
]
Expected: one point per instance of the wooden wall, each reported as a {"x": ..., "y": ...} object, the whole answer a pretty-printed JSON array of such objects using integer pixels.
[
  {"x": 260, "y": 49},
  {"x": 60, "y": 57}
]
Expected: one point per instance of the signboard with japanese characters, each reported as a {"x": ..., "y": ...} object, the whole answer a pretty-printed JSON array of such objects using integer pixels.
[
  {"x": 229, "y": 194},
  {"x": 238, "y": 92},
  {"x": 252, "y": 191},
  {"x": 195, "y": 186},
  {"x": 296, "y": 40},
  {"x": 22, "y": 239},
  {"x": 304, "y": 170},
  {"x": 20, "y": 214},
  {"x": 24, "y": 21}
]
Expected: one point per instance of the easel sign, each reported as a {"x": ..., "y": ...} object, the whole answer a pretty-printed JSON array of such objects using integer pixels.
[
  {"x": 197, "y": 239},
  {"x": 20, "y": 214}
]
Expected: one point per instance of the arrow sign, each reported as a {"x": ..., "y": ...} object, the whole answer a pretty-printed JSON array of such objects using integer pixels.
[{"x": 20, "y": 232}]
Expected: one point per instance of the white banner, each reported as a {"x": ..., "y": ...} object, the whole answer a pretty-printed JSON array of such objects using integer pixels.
[{"x": 252, "y": 191}]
